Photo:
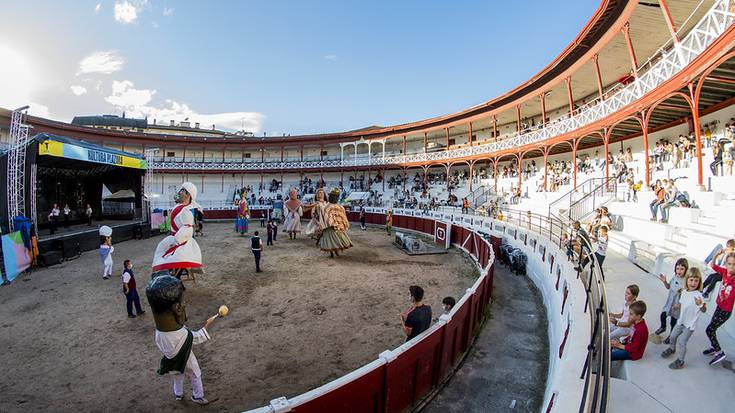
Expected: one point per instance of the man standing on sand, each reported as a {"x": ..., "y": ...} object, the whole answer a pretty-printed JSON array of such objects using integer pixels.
[
  {"x": 256, "y": 246},
  {"x": 362, "y": 217}
]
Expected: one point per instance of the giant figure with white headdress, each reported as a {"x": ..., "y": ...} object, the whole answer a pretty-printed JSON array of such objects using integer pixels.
[{"x": 180, "y": 250}]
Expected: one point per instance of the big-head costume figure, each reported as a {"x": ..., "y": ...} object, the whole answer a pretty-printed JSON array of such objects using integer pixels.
[{"x": 166, "y": 297}]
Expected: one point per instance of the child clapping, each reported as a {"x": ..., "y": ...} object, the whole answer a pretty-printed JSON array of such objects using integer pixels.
[{"x": 692, "y": 307}]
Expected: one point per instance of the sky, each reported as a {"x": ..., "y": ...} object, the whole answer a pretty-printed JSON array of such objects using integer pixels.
[{"x": 276, "y": 67}]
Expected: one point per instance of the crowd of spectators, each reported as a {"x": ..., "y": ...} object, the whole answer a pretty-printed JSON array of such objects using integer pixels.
[{"x": 362, "y": 184}]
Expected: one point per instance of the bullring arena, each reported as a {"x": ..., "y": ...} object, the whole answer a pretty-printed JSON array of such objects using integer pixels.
[
  {"x": 568, "y": 245},
  {"x": 303, "y": 322}
]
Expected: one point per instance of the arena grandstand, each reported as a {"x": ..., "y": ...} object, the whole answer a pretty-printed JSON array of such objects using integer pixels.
[{"x": 632, "y": 126}]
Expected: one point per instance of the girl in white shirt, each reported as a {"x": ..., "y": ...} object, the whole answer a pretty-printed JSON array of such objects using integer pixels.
[
  {"x": 692, "y": 307},
  {"x": 620, "y": 324},
  {"x": 675, "y": 284}
]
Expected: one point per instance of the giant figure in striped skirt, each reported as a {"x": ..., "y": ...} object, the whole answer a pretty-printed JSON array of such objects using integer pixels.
[{"x": 334, "y": 239}]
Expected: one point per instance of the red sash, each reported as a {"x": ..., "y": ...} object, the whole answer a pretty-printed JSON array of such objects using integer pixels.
[{"x": 175, "y": 228}]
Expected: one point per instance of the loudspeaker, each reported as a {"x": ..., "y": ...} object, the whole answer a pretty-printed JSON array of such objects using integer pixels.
[
  {"x": 70, "y": 249},
  {"x": 146, "y": 231},
  {"x": 50, "y": 258}
]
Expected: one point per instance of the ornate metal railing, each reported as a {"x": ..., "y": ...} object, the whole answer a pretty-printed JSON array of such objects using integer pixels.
[{"x": 671, "y": 61}]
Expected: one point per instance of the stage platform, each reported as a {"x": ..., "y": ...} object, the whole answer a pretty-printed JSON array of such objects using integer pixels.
[{"x": 81, "y": 237}]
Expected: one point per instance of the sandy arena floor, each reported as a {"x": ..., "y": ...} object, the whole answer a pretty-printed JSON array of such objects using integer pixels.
[{"x": 67, "y": 344}]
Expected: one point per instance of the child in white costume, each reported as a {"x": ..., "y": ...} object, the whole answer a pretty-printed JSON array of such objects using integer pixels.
[{"x": 106, "y": 250}]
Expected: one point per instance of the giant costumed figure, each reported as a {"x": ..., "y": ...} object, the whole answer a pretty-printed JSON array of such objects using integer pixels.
[
  {"x": 292, "y": 222},
  {"x": 243, "y": 214},
  {"x": 334, "y": 238},
  {"x": 318, "y": 209},
  {"x": 180, "y": 251}
]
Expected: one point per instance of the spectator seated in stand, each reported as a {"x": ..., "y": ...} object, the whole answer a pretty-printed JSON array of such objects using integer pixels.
[
  {"x": 634, "y": 346},
  {"x": 620, "y": 324}
]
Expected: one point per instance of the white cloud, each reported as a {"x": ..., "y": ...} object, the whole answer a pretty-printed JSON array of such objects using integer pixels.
[
  {"x": 127, "y": 12},
  {"x": 101, "y": 62},
  {"x": 78, "y": 90},
  {"x": 154, "y": 24},
  {"x": 124, "y": 95},
  {"x": 137, "y": 103},
  {"x": 19, "y": 79},
  {"x": 168, "y": 12},
  {"x": 331, "y": 57},
  {"x": 97, "y": 8},
  {"x": 37, "y": 109}
]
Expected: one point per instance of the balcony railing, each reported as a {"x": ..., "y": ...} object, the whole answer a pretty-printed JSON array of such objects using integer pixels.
[{"x": 660, "y": 69}]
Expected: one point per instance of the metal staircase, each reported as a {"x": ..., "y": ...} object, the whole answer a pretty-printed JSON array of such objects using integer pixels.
[
  {"x": 480, "y": 195},
  {"x": 583, "y": 200}
]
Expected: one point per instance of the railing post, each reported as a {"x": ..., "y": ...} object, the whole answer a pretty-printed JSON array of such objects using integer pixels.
[{"x": 594, "y": 194}]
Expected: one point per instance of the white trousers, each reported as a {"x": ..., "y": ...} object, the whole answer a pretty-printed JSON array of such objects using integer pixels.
[
  {"x": 195, "y": 376},
  {"x": 107, "y": 271}
]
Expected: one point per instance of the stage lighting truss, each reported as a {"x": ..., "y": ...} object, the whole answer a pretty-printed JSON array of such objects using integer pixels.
[
  {"x": 17, "y": 166},
  {"x": 148, "y": 178}
]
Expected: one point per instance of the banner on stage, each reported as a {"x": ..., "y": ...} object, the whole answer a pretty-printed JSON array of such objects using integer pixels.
[
  {"x": 96, "y": 154},
  {"x": 157, "y": 219},
  {"x": 16, "y": 256}
]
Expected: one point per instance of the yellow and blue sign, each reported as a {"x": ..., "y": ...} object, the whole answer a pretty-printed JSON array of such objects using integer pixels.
[{"x": 63, "y": 147}]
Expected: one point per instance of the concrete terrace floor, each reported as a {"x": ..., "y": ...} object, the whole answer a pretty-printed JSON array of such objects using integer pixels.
[
  {"x": 648, "y": 384},
  {"x": 506, "y": 368}
]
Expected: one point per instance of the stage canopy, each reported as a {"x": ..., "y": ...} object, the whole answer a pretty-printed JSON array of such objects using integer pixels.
[
  {"x": 63, "y": 147},
  {"x": 121, "y": 195}
]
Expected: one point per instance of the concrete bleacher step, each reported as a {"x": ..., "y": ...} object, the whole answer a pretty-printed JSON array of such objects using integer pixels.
[
  {"x": 679, "y": 239},
  {"x": 641, "y": 253},
  {"x": 625, "y": 394},
  {"x": 709, "y": 221}
]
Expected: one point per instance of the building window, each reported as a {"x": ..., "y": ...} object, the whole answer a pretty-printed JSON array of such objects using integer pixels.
[
  {"x": 247, "y": 156},
  {"x": 324, "y": 153},
  {"x": 451, "y": 142},
  {"x": 170, "y": 154}
]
